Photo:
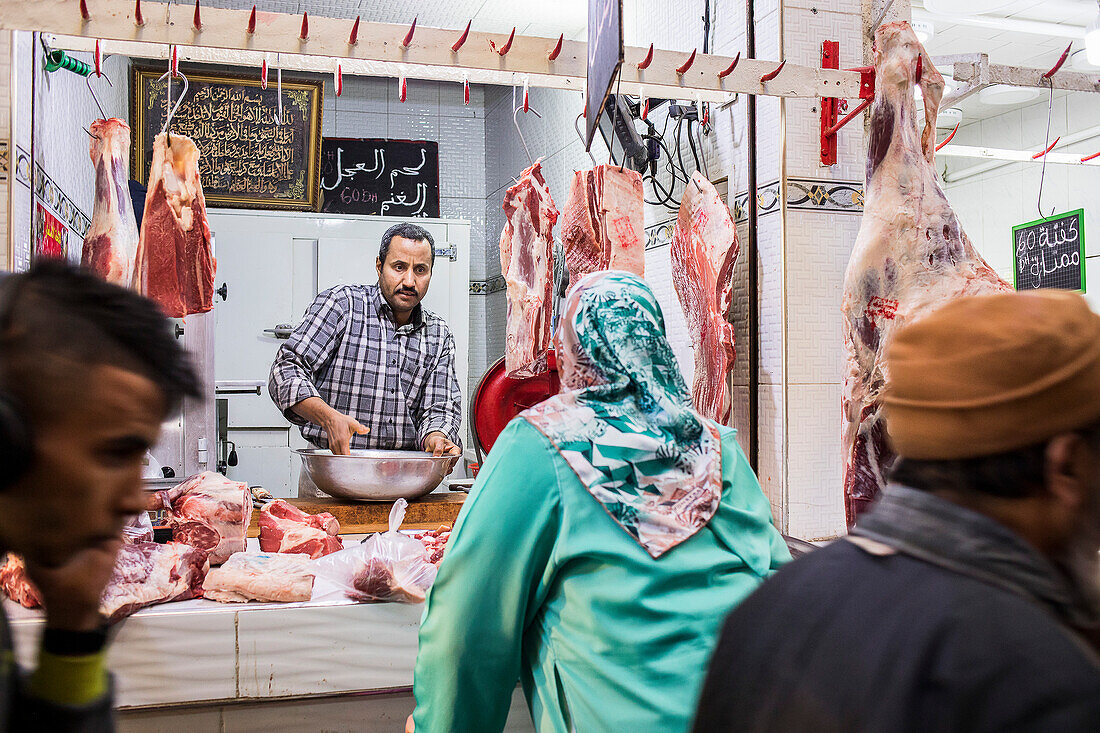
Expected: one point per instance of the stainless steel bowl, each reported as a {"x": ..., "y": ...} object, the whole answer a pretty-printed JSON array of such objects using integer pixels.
[{"x": 375, "y": 475}]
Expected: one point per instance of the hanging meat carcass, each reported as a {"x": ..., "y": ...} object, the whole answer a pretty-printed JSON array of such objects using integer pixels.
[
  {"x": 175, "y": 258},
  {"x": 602, "y": 225},
  {"x": 704, "y": 251},
  {"x": 911, "y": 255},
  {"x": 111, "y": 244},
  {"x": 526, "y": 260}
]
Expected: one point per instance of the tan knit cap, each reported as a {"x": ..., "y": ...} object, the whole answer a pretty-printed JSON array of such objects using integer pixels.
[{"x": 991, "y": 373}]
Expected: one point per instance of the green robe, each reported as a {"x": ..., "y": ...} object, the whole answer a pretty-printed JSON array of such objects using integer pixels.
[{"x": 539, "y": 584}]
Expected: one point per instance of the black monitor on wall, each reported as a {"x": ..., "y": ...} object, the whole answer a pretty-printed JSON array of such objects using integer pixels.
[{"x": 605, "y": 56}]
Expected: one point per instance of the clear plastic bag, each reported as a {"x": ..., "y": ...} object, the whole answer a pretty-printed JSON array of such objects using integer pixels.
[
  {"x": 139, "y": 528},
  {"x": 387, "y": 566}
]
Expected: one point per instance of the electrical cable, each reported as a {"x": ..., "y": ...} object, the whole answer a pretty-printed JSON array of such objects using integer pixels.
[{"x": 694, "y": 152}]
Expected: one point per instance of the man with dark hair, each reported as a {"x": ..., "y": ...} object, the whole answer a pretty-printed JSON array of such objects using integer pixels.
[
  {"x": 88, "y": 372},
  {"x": 368, "y": 366},
  {"x": 969, "y": 598}
]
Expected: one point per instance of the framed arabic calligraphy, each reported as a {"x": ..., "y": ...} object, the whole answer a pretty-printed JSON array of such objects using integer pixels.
[
  {"x": 381, "y": 177},
  {"x": 248, "y": 159},
  {"x": 1050, "y": 253}
]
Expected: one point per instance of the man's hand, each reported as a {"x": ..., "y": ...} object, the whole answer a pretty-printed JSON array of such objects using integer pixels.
[
  {"x": 72, "y": 591},
  {"x": 439, "y": 445},
  {"x": 339, "y": 428}
]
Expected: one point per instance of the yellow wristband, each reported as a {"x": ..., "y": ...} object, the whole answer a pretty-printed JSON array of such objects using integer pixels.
[{"x": 69, "y": 680}]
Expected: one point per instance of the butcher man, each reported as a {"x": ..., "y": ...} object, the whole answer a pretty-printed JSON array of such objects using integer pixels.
[{"x": 369, "y": 366}]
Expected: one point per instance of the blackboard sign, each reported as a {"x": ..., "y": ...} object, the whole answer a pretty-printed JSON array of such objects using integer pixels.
[
  {"x": 247, "y": 159},
  {"x": 1050, "y": 253},
  {"x": 383, "y": 177},
  {"x": 605, "y": 56}
]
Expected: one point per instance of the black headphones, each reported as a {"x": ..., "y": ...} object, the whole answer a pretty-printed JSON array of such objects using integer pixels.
[{"x": 16, "y": 443}]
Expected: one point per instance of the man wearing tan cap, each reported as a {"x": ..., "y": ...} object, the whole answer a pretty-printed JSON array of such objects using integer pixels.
[{"x": 969, "y": 598}]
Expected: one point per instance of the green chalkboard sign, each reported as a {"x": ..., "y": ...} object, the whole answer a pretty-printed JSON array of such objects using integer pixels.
[{"x": 1050, "y": 253}]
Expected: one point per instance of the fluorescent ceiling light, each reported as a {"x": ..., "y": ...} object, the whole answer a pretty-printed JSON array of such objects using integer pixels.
[
  {"x": 1092, "y": 40},
  {"x": 1079, "y": 60},
  {"x": 924, "y": 30},
  {"x": 1002, "y": 94},
  {"x": 948, "y": 118},
  {"x": 966, "y": 7}
]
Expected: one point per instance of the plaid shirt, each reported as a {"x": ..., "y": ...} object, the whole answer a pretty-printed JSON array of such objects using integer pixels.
[{"x": 399, "y": 382}]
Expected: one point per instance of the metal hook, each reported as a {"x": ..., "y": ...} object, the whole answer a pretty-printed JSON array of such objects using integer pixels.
[
  {"x": 577, "y": 127},
  {"x": 88, "y": 83},
  {"x": 173, "y": 110},
  {"x": 515, "y": 121},
  {"x": 279, "y": 87}
]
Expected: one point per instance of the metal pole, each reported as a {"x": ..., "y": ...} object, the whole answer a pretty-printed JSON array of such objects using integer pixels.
[{"x": 753, "y": 257}]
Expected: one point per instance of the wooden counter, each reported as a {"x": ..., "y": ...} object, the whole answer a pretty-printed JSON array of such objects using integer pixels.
[{"x": 363, "y": 517}]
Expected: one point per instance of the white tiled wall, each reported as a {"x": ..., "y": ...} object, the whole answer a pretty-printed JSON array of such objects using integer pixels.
[{"x": 989, "y": 205}]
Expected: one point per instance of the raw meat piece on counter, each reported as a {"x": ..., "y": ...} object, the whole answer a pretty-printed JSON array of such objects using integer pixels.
[
  {"x": 260, "y": 576},
  {"x": 110, "y": 247},
  {"x": 175, "y": 257},
  {"x": 387, "y": 566},
  {"x": 16, "y": 584},
  {"x": 603, "y": 222},
  {"x": 147, "y": 573},
  {"x": 526, "y": 260},
  {"x": 286, "y": 528},
  {"x": 911, "y": 255},
  {"x": 704, "y": 251},
  {"x": 210, "y": 512},
  {"x": 435, "y": 543}
]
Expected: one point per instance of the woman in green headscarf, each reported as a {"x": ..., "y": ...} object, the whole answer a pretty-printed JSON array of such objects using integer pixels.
[{"x": 610, "y": 531}]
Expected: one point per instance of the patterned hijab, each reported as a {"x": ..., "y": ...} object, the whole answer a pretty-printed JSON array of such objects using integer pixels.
[{"x": 624, "y": 421}]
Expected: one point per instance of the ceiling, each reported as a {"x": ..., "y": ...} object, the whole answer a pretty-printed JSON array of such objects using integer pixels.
[{"x": 1026, "y": 33}]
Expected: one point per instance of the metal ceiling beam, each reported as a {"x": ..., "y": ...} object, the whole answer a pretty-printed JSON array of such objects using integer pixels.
[{"x": 428, "y": 56}]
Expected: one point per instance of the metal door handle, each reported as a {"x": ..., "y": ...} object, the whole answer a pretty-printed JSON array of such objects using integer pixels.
[
  {"x": 281, "y": 331},
  {"x": 179, "y": 331}
]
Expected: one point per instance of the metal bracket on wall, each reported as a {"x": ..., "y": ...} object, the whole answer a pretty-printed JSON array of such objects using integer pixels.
[
  {"x": 831, "y": 107},
  {"x": 447, "y": 250}
]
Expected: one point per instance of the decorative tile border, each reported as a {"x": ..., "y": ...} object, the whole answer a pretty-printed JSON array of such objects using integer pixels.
[
  {"x": 485, "y": 287},
  {"x": 804, "y": 194},
  {"x": 3, "y": 160},
  {"x": 51, "y": 194}
]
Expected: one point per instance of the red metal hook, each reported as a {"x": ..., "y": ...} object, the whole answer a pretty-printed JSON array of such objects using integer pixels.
[
  {"x": 645, "y": 111},
  {"x": 769, "y": 77},
  {"x": 98, "y": 59},
  {"x": 647, "y": 60},
  {"x": 1087, "y": 158},
  {"x": 338, "y": 82},
  {"x": 681, "y": 70},
  {"x": 508, "y": 46},
  {"x": 197, "y": 20},
  {"x": 729, "y": 69},
  {"x": 404, "y": 89},
  {"x": 1040, "y": 155},
  {"x": 462, "y": 39},
  {"x": 354, "y": 37},
  {"x": 557, "y": 49},
  {"x": 175, "y": 60},
  {"x": 847, "y": 118},
  {"x": 1062, "y": 60},
  {"x": 466, "y": 91},
  {"x": 948, "y": 138},
  {"x": 84, "y": 10},
  {"x": 303, "y": 35},
  {"x": 920, "y": 69},
  {"x": 139, "y": 20},
  {"x": 251, "y": 22},
  {"x": 263, "y": 75},
  {"x": 409, "y": 36}
]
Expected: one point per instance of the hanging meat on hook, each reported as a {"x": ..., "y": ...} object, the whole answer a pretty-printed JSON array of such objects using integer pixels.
[
  {"x": 526, "y": 260},
  {"x": 175, "y": 259},
  {"x": 704, "y": 251},
  {"x": 603, "y": 223},
  {"x": 111, "y": 244},
  {"x": 911, "y": 255}
]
